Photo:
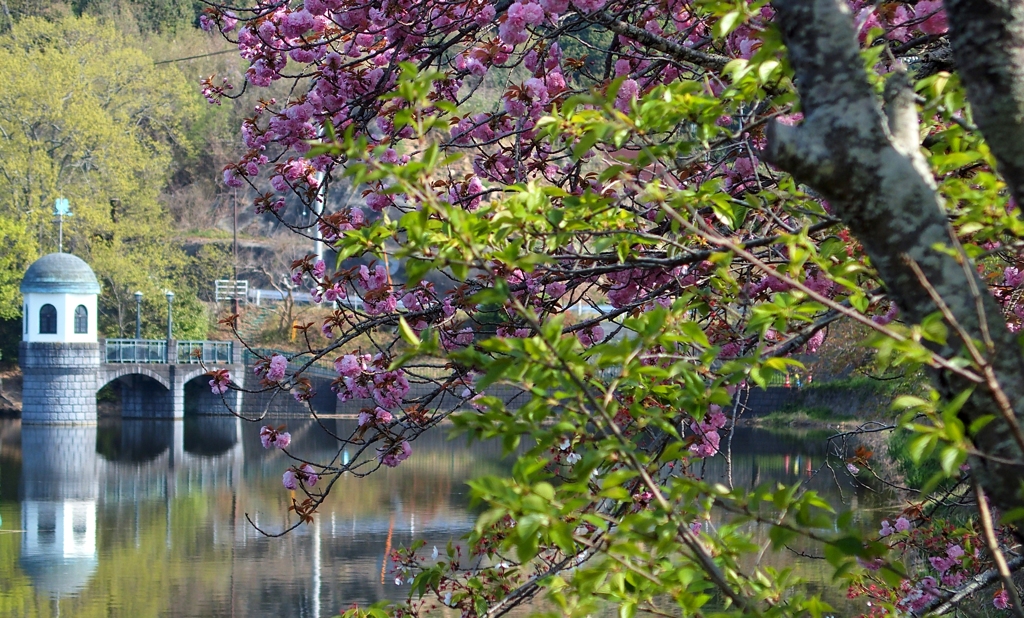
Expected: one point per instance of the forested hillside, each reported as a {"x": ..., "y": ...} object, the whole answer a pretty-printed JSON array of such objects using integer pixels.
[{"x": 102, "y": 105}]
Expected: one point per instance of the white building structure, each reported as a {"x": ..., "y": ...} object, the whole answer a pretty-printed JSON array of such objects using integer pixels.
[
  {"x": 59, "y": 352},
  {"x": 60, "y": 292}
]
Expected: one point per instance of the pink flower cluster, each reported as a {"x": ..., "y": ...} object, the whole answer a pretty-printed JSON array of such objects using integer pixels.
[
  {"x": 378, "y": 297},
  {"x": 394, "y": 455},
  {"x": 1012, "y": 277},
  {"x": 902, "y": 24},
  {"x": 919, "y": 596},
  {"x": 706, "y": 433},
  {"x": 220, "y": 382},
  {"x": 274, "y": 438},
  {"x": 591, "y": 335},
  {"x": 304, "y": 474},
  {"x": 902, "y": 525},
  {"x": 276, "y": 368},
  {"x": 362, "y": 378},
  {"x": 1001, "y": 599},
  {"x": 629, "y": 286},
  {"x": 377, "y": 415},
  {"x": 890, "y": 314},
  {"x": 944, "y": 564}
]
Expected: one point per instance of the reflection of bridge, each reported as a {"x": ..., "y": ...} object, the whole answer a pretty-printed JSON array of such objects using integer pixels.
[
  {"x": 91, "y": 495},
  {"x": 62, "y": 379},
  {"x": 64, "y": 481}
]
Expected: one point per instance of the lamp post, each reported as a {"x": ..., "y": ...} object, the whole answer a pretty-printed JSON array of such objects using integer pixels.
[
  {"x": 138, "y": 315},
  {"x": 170, "y": 320}
]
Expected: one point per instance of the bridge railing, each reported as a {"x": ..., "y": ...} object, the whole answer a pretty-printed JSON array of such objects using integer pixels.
[
  {"x": 136, "y": 351},
  {"x": 209, "y": 352}
]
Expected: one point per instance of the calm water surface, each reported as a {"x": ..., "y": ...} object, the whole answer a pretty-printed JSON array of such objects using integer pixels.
[{"x": 148, "y": 518}]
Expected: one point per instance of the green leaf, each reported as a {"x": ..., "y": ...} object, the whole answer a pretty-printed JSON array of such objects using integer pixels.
[
  {"x": 780, "y": 536},
  {"x": 407, "y": 332},
  {"x": 727, "y": 23},
  {"x": 951, "y": 458}
]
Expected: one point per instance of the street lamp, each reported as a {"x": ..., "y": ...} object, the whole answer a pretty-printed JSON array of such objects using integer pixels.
[
  {"x": 170, "y": 321},
  {"x": 138, "y": 315}
]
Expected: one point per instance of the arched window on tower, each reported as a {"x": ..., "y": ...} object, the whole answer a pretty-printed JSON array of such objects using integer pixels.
[
  {"x": 81, "y": 320},
  {"x": 47, "y": 320}
]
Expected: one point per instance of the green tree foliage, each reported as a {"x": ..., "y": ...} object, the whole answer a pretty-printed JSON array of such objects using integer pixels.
[
  {"x": 101, "y": 130},
  {"x": 164, "y": 16},
  {"x": 132, "y": 16},
  {"x": 16, "y": 247},
  {"x": 705, "y": 273}
]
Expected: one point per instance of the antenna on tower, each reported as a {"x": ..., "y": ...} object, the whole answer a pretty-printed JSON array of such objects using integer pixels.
[{"x": 62, "y": 209}]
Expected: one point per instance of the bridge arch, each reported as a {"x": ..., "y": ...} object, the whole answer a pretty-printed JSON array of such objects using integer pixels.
[
  {"x": 110, "y": 373},
  {"x": 183, "y": 377},
  {"x": 199, "y": 400},
  {"x": 193, "y": 373}
]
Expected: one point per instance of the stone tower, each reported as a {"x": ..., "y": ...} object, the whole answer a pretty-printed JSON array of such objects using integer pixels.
[{"x": 59, "y": 353}]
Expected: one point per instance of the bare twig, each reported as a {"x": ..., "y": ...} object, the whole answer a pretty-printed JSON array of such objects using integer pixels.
[{"x": 985, "y": 516}]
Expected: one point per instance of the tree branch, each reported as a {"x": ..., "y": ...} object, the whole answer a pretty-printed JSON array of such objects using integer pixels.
[
  {"x": 845, "y": 150},
  {"x": 681, "y": 53},
  {"x": 987, "y": 37}
]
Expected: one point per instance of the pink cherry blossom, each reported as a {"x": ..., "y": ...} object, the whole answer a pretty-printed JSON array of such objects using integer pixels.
[
  {"x": 220, "y": 382},
  {"x": 277, "y": 367},
  {"x": 936, "y": 17},
  {"x": 272, "y": 438},
  {"x": 1001, "y": 600},
  {"x": 395, "y": 455},
  {"x": 304, "y": 474}
]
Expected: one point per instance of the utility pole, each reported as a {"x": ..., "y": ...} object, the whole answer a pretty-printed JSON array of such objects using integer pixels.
[
  {"x": 318, "y": 208},
  {"x": 234, "y": 249}
]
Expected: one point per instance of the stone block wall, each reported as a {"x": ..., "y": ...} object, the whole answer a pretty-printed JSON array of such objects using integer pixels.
[{"x": 60, "y": 382}]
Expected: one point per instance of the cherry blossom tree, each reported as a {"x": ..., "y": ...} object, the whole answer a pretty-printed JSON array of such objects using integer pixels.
[{"x": 609, "y": 218}]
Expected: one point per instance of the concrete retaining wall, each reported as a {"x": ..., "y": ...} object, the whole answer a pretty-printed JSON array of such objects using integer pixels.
[{"x": 843, "y": 402}]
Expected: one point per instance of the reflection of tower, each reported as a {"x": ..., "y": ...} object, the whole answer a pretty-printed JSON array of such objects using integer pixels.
[
  {"x": 60, "y": 486},
  {"x": 59, "y": 353}
]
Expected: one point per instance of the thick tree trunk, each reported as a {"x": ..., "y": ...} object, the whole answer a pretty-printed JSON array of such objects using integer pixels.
[
  {"x": 846, "y": 150},
  {"x": 987, "y": 38}
]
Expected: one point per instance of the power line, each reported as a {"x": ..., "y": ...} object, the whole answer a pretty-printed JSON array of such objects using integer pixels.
[{"x": 216, "y": 53}]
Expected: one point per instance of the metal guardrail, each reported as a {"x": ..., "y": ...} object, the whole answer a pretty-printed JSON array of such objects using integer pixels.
[
  {"x": 325, "y": 367},
  {"x": 208, "y": 352},
  {"x": 136, "y": 351},
  {"x": 154, "y": 351},
  {"x": 258, "y": 296}
]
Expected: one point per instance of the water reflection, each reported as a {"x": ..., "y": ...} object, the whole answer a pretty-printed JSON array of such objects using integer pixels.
[
  {"x": 149, "y": 518},
  {"x": 60, "y": 488},
  {"x": 135, "y": 516}
]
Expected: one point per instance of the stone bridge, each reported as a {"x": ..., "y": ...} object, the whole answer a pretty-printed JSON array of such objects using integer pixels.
[{"x": 61, "y": 380}]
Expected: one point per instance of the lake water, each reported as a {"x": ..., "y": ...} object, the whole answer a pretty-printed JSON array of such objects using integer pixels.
[{"x": 149, "y": 518}]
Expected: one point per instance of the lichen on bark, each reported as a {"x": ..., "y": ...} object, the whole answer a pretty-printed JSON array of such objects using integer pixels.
[{"x": 860, "y": 160}]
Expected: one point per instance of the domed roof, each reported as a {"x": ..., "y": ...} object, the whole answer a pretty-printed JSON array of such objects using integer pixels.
[
  {"x": 60, "y": 273},
  {"x": 58, "y": 576}
]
